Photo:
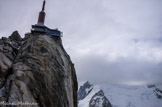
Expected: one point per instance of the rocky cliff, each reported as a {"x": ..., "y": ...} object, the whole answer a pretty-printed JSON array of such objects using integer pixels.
[
  {"x": 84, "y": 90},
  {"x": 36, "y": 71},
  {"x": 91, "y": 96},
  {"x": 99, "y": 100}
]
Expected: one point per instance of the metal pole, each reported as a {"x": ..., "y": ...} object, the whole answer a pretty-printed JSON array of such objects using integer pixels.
[{"x": 44, "y": 2}]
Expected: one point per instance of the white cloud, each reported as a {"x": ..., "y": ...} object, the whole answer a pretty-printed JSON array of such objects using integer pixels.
[{"x": 113, "y": 40}]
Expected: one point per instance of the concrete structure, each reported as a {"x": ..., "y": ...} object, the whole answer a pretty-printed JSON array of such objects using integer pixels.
[{"x": 41, "y": 28}]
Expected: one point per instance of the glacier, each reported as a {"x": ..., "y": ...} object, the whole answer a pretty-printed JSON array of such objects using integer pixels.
[{"x": 125, "y": 95}]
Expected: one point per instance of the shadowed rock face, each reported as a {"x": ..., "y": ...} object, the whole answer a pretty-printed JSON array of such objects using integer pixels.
[
  {"x": 84, "y": 90},
  {"x": 40, "y": 72},
  {"x": 99, "y": 100},
  {"x": 8, "y": 51},
  {"x": 157, "y": 90}
]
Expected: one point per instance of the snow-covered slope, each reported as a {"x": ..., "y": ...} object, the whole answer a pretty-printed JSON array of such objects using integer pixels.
[
  {"x": 99, "y": 100},
  {"x": 84, "y": 90},
  {"x": 124, "y": 96}
]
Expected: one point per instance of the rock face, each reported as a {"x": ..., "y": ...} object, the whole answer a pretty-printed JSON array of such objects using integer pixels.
[
  {"x": 8, "y": 51},
  {"x": 84, "y": 90},
  {"x": 38, "y": 71},
  {"x": 158, "y": 93},
  {"x": 99, "y": 100},
  {"x": 157, "y": 90},
  {"x": 92, "y": 96}
]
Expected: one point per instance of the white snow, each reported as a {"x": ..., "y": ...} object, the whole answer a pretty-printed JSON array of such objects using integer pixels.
[
  {"x": 125, "y": 96},
  {"x": 88, "y": 89},
  {"x": 100, "y": 101},
  {"x": 86, "y": 100}
]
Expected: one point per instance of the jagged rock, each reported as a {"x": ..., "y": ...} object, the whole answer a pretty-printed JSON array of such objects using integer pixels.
[
  {"x": 42, "y": 73},
  {"x": 151, "y": 86},
  {"x": 99, "y": 100},
  {"x": 157, "y": 90},
  {"x": 8, "y": 51},
  {"x": 84, "y": 90},
  {"x": 15, "y": 36}
]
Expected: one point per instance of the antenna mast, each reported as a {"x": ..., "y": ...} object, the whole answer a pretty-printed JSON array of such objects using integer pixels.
[
  {"x": 42, "y": 15},
  {"x": 43, "y": 7}
]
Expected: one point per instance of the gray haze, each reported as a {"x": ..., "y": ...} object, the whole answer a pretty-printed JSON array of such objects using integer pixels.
[{"x": 108, "y": 40}]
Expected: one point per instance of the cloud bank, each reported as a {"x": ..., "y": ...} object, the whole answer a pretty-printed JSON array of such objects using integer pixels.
[{"x": 108, "y": 40}]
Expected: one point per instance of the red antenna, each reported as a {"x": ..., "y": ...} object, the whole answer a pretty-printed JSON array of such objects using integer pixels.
[
  {"x": 42, "y": 14},
  {"x": 43, "y": 7}
]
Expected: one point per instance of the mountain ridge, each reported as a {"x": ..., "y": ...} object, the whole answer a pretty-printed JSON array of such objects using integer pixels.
[{"x": 124, "y": 95}]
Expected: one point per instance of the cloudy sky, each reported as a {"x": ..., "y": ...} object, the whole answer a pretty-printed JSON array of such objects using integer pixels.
[{"x": 108, "y": 40}]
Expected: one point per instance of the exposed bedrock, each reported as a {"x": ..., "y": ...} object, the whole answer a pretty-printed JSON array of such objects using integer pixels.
[{"x": 37, "y": 69}]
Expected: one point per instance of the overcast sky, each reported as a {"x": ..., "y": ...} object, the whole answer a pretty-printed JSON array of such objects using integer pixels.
[{"x": 108, "y": 40}]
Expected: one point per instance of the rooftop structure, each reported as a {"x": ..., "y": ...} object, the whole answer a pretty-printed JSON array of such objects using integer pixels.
[{"x": 41, "y": 28}]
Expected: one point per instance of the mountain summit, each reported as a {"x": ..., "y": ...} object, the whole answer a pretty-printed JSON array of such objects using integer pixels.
[
  {"x": 36, "y": 71},
  {"x": 119, "y": 95}
]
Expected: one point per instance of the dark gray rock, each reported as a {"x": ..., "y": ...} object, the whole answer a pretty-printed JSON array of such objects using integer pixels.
[
  {"x": 99, "y": 100},
  {"x": 158, "y": 91},
  {"x": 15, "y": 36},
  {"x": 151, "y": 86},
  {"x": 84, "y": 90},
  {"x": 40, "y": 72},
  {"x": 8, "y": 52}
]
